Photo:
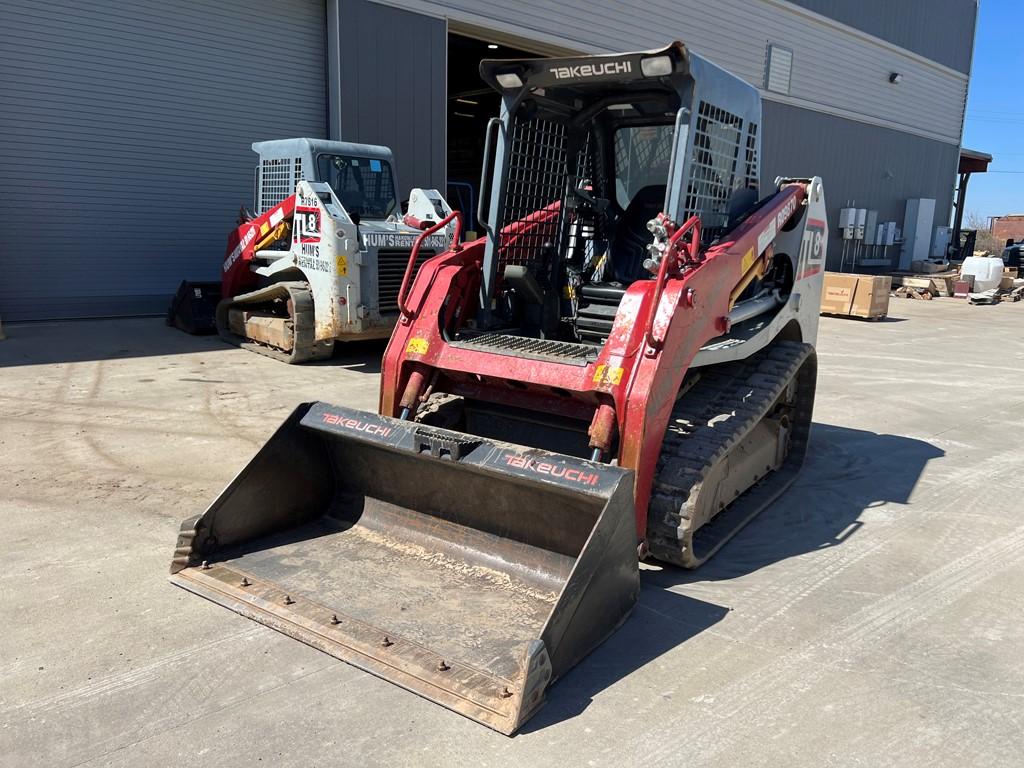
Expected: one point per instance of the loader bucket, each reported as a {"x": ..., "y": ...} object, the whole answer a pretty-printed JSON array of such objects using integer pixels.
[
  {"x": 193, "y": 307},
  {"x": 468, "y": 571}
]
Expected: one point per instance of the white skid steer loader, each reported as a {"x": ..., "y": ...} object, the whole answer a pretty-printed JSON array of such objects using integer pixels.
[{"x": 323, "y": 257}]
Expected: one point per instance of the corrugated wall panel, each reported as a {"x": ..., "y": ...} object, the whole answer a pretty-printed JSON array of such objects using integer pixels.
[
  {"x": 124, "y": 141},
  {"x": 860, "y": 164},
  {"x": 834, "y": 69},
  {"x": 941, "y": 30},
  {"x": 394, "y": 87}
]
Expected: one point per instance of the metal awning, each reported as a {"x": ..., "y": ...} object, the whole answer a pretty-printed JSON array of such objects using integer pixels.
[{"x": 972, "y": 161}]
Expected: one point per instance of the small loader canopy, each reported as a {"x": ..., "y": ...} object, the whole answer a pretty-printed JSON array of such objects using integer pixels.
[{"x": 470, "y": 572}]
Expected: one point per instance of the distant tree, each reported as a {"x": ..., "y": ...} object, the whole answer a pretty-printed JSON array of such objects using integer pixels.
[{"x": 986, "y": 240}]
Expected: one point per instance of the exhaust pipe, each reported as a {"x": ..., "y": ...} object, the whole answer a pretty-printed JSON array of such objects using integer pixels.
[{"x": 471, "y": 572}]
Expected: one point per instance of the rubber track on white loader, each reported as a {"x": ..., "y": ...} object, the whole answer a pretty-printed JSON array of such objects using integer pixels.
[
  {"x": 305, "y": 347},
  {"x": 708, "y": 422}
]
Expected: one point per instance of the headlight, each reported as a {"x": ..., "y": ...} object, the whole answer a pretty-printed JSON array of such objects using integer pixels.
[
  {"x": 656, "y": 66},
  {"x": 509, "y": 80}
]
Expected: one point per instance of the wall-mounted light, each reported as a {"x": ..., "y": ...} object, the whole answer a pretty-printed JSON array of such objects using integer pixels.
[
  {"x": 895, "y": 77},
  {"x": 492, "y": 46}
]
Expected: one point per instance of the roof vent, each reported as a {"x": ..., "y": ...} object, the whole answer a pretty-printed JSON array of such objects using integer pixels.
[{"x": 779, "y": 69}]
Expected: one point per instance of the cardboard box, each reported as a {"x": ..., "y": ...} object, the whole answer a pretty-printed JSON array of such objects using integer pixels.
[
  {"x": 855, "y": 295},
  {"x": 1006, "y": 283}
]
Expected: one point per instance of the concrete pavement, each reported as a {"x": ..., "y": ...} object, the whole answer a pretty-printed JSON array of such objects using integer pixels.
[{"x": 873, "y": 616}]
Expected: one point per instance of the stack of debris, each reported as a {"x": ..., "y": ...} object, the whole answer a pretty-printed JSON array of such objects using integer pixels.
[
  {"x": 985, "y": 280},
  {"x": 911, "y": 292},
  {"x": 1013, "y": 292},
  {"x": 926, "y": 280}
]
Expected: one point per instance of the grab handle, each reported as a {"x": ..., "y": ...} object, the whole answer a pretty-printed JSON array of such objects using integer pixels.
[{"x": 414, "y": 254}]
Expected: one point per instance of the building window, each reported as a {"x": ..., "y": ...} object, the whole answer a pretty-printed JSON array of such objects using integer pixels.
[{"x": 779, "y": 69}]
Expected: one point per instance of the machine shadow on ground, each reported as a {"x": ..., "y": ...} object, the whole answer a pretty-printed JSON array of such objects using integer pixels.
[
  {"x": 847, "y": 472},
  {"x": 360, "y": 356},
  {"x": 661, "y": 621},
  {"x": 80, "y": 341}
]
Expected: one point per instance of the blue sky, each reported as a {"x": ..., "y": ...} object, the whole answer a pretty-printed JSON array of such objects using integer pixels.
[{"x": 995, "y": 109}]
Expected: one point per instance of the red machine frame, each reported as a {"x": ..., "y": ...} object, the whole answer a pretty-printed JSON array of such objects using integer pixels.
[{"x": 632, "y": 386}]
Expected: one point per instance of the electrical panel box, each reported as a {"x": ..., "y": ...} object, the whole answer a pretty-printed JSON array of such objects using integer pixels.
[
  {"x": 890, "y": 233},
  {"x": 870, "y": 224},
  {"x": 858, "y": 230},
  {"x": 940, "y": 244},
  {"x": 847, "y": 222},
  {"x": 917, "y": 231}
]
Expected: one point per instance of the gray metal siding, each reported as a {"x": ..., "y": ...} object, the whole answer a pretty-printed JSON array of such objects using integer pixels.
[
  {"x": 873, "y": 167},
  {"x": 394, "y": 87},
  {"x": 835, "y": 69},
  {"x": 124, "y": 141},
  {"x": 941, "y": 30}
]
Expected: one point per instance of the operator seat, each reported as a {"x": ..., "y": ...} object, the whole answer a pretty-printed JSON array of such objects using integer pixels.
[
  {"x": 629, "y": 244},
  {"x": 352, "y": 199},
  {"x": 627, "y": 252}
]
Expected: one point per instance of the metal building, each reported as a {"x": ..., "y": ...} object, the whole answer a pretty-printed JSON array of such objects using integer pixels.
[{"x": 125, "y": 126}]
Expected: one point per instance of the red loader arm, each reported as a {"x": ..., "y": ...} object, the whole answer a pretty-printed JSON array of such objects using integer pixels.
[{"x": 243, "y": 242}]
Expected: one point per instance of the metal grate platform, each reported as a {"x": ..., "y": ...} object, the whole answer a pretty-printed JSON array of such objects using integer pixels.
[{"x": 534, "y": 349}]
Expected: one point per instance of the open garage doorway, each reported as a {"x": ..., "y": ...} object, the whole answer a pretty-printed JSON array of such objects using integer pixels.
[{"x": 471, "y": 103}]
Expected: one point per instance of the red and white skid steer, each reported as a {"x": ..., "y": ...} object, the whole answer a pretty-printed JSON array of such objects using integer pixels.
[
  {"x": 322, "y": 259},
  {"x": 622, "y": 368}
]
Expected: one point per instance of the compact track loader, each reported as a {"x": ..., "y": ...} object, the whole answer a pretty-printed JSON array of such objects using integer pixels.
[
  {"x": 623, "y": 367},
  {"x": 322, "y": 259}
]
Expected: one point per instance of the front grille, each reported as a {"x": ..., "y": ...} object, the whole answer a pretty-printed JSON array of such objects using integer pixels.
[
  {"x": 597, "y": 309},
  {"x": 391, "y": 263},
  {"x": 535, "y": 349}
]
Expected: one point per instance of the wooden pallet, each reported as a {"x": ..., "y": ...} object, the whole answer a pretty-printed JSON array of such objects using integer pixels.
[
  {"x": 1013, "y": 294},
  {"x": 938, "y": 284},
  {"x": 870, "y": 319}
]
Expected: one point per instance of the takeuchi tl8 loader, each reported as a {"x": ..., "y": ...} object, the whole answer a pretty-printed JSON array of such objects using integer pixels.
[
  {"x": 322, "y": 259},
  {"x": 623, "y": 367}
]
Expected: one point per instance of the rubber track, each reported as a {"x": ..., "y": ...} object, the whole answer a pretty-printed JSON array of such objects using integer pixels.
[
  {"x": 304, "y": 348},
  {"x": 711, "y": 419}
]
